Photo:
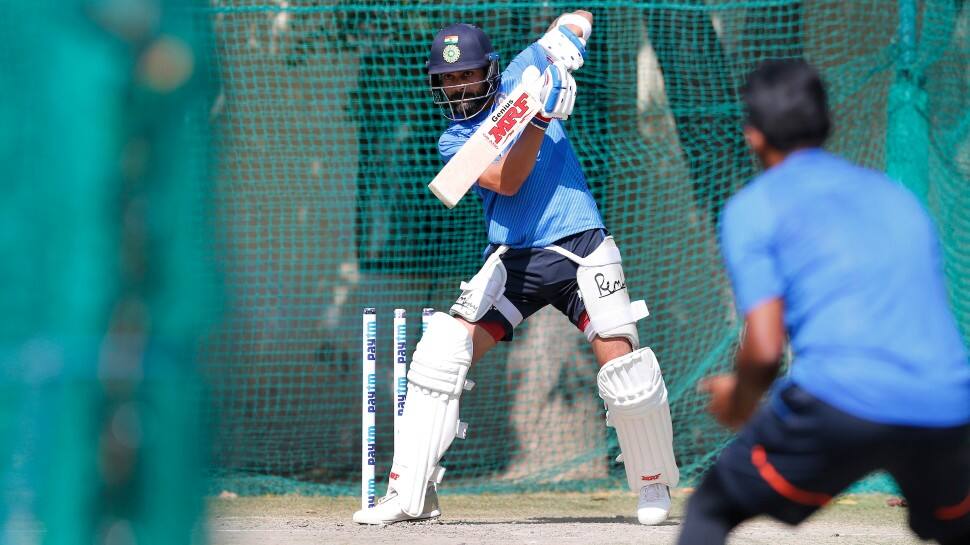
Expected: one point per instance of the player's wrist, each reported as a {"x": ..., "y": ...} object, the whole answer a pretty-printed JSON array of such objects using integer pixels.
[{"x": 540, "y": 121}]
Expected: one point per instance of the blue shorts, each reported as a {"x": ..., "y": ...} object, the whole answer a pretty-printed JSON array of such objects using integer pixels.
[
  {"x": 538, "y": 277},
  {"x": 798, "y": 452}
]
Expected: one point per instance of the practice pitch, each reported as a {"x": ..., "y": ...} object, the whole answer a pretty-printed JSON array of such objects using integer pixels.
[{"x": 561, "y": 518}]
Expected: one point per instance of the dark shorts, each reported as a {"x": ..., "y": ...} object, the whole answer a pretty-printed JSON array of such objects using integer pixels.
[
  {"x": 538, "y": 277},
  {"x": 798, "y": 452}
]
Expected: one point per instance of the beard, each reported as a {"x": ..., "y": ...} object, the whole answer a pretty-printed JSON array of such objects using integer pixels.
[{"x": 468, "y": 106}]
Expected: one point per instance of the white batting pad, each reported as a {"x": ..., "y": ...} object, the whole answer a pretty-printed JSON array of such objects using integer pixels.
[
  {"x": 636, "y": 403},
  {"x": 430, "y": 422}
]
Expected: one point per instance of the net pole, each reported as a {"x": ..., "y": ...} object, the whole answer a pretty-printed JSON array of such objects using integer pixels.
[{"x": 907, "y": 133}]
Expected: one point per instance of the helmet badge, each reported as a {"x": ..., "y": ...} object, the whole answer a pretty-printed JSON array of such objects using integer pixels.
[{"x": 451, "y": 53}]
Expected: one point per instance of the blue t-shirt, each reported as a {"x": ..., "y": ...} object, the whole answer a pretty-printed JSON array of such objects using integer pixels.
[
  {"x": 857, "y": 262},
  {"x": 554, "y": 201}
]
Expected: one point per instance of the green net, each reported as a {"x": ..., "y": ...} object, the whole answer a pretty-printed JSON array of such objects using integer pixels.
[
  {"x": 327, "y": 135},
  {"x": 108, "y": 285}
]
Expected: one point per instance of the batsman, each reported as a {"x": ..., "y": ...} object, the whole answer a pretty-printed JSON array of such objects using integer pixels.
[{"x": 547, "y": 246}]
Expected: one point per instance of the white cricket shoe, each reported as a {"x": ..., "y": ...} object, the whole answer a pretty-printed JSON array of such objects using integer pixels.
[
  {"x": 654, "y": 504},
  {"x": 388, "y": 510}
]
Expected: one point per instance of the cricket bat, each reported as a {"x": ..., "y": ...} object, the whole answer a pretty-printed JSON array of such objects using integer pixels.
[{"x": 507, "y": 121}]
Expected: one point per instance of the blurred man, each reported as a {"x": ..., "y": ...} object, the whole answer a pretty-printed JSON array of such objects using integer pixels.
[{"x": 847, "y": 263}]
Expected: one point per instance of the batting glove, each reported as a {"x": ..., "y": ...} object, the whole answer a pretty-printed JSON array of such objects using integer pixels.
[{"x": 558, "y": 93}]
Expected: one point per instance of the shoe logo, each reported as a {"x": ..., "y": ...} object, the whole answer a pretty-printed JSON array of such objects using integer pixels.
[
  {"x": 650, "y": 477},
  {"x": 394, "y": 476}
]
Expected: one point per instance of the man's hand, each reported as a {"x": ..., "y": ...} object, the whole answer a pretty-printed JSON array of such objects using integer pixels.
[
  {"x": 566, "y": 39},
  {"x": 729, "y": 409},
  {"x": 735, "y": 397},
  {"x": 558, "y": 92}
]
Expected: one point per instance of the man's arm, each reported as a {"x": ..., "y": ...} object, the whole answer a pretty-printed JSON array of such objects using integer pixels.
[
  {"x": 734, "y": 397},
  {"x": 506, "y": 176}
]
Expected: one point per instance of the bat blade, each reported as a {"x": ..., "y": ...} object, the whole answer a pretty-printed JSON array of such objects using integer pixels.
[{"x": 507, "y": 121}]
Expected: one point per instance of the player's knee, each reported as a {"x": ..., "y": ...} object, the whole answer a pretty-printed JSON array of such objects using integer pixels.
[
  {"x": 614, "y": 346},
  {"x": 443, "y": 356},
  {"x": 607, "y": 350}
]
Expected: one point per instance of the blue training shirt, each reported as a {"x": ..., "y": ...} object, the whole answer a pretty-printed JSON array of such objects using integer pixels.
[
  {"x": 554, "y": 201},
  {"x": 858, "y": 264}
]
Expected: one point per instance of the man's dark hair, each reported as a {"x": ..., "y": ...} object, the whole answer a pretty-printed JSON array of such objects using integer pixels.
[{"x": 785, "y": 100}]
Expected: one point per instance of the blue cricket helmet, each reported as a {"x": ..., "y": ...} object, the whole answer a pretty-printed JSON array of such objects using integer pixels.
[
  {"x": 460, "y": 47},
  {"x": 456, "y": 48}
]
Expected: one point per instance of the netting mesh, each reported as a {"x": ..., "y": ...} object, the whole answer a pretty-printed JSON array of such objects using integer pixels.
[
  {"x": 107, "y": 287},
  {"x": 327, "y": 136}
]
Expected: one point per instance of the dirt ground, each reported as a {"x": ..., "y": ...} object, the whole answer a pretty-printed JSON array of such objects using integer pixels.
[{"x": 561, "y": 519}]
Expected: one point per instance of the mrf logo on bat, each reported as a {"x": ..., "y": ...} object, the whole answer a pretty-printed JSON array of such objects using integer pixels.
[{"x": 511, "y": 113}]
